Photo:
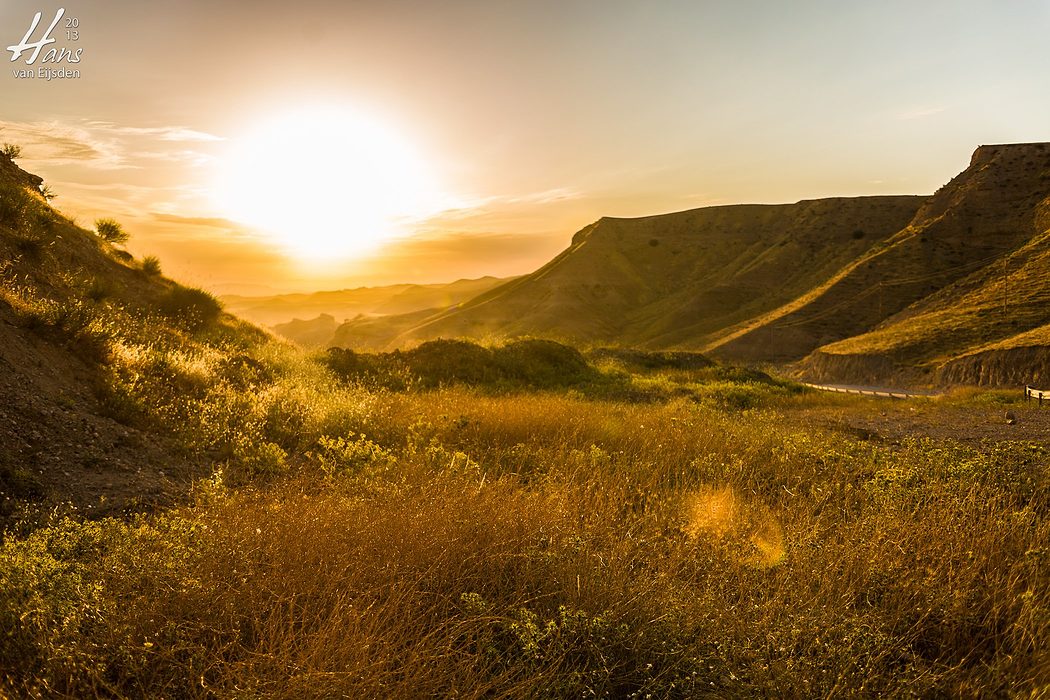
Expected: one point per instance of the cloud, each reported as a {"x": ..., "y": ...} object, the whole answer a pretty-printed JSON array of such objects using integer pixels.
[
  {"x": 191, "y": 158},
  {"x": 103, "y": 145},
  {"x": 56, "y": 143},
  {"x": 472, "y": 207},
  {"x": 162, "y": 133},
  {"x": 920, "y": 113},
  {"x": 210, "y": 221}
]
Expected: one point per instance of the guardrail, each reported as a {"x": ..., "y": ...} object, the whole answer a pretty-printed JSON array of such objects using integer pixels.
[
  {"x": 1040, "y": 394},
  {"x": 889, "y": 394}
]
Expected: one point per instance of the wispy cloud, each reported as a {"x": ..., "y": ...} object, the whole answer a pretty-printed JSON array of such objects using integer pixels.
[
  {"x": 473, "y": 208},
  {"x": 211, "y": 221},
  {"x": 163, "y": 133},
  {"x": 192, "y": 158},
  {"x": 103, "y": 145},
  {"x": 919, "y": 113},
  {"x": 57, "y": 143}
]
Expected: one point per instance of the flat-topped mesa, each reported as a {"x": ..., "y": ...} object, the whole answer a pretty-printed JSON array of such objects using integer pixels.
[{"x": 986, "y": 153}]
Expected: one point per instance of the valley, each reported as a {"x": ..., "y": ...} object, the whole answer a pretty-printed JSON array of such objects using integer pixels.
[{"x": 196, "y": 507}]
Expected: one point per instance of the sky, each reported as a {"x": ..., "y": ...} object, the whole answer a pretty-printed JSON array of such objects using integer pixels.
[{"x": 482, "y": 135}]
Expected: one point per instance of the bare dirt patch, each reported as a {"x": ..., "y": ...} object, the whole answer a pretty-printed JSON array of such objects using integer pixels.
[
  {"x": 58, "y": 446},
  {"x": 892, "y": 420}
]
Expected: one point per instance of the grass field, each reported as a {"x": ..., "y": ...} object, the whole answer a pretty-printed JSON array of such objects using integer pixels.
[{"x": 654, "y": 533}]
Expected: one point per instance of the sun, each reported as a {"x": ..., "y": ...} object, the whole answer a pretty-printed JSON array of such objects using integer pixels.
[{"x": 324, "y": 183}]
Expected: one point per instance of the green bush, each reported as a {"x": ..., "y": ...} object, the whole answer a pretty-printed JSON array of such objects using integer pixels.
[
  {"x": 100, "y": 289},
  {"x": 452, "y": 361},
  {"x": 544, "y": 363},
  {"x": 12, "y": 205},
  {"x": 11, "y": 150},
  {"x": 652, "y": 360},
  {"x": 524, "y": 364},
  {"x": 354, "y": 457}
]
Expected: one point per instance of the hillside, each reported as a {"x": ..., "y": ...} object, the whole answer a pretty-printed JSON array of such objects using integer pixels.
[
  {"x": 936, "y": 290},
  {"x": 674, "y": 279},
  {"x": 861, "y": 289},
  {"x": 80, "y": 323}
]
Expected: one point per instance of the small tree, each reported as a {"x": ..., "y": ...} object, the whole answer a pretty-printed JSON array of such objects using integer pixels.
[
  {"x": 11, "y": 150},
  {"x": 110, "y": 230}
]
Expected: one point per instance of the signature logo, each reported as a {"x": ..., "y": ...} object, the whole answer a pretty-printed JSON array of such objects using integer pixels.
[{"x": 53, "y": 55}]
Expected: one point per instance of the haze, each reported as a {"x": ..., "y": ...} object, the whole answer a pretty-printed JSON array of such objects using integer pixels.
[{"x": 533, "y": 118}]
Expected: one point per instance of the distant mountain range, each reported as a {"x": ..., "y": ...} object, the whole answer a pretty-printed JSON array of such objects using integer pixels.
[
  {"x": 949, "y": 287},
  {"x": 312, "y": 319}
]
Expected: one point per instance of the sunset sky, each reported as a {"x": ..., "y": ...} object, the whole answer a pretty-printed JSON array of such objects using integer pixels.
[{"x": 479, "y": 136}]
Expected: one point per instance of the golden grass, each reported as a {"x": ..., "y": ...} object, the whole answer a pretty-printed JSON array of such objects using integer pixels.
[{"x": 545, "y": 545}]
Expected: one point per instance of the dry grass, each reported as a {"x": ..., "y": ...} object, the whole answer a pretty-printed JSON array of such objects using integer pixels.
[{"x": 549, "y": 545}]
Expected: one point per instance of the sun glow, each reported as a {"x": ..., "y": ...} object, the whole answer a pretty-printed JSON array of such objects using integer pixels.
[{"x": 325, "y": 183}]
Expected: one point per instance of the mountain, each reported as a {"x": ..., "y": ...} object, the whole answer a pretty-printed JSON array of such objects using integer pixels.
[
  {"x": 915, "y": 288},
  {"x": 933, "y": 291},
  {"x": 271, "y": 310},
  {"x": 311, "y": 333},
  {"x": 675, "y": 279}
]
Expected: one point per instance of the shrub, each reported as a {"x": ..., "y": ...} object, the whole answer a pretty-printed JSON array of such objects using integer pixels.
[
  {"x": 192, "y": 307},
  {"x": 447, "y": 361},
  {"x": 355, "y": 457},
  {"x": 537, "y": 364},
  {"x": 11, "y": 150},
  {"x": 110, "y": 230},
  {"x": 151, "y": 265},
  {"x": 651, "y": 360},
  {"x": 32, "y": 249},
  {"x": 544, "y": 363}
]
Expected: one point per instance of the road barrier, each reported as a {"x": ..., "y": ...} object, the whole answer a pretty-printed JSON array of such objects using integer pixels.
[
  {"x": 885, "y": 393},
  {"x": 1040, "y": 394}
]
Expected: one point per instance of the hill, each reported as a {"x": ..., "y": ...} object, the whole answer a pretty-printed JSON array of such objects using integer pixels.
[
  {"x": 857, "y": 289},
  {"x": 672, "y": 280},
  {"x": 85, "y": 331},
  {"x": 936, "y": 290}
]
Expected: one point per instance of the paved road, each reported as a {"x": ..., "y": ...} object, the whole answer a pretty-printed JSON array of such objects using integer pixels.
[{"x": 871, "y": 391}]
